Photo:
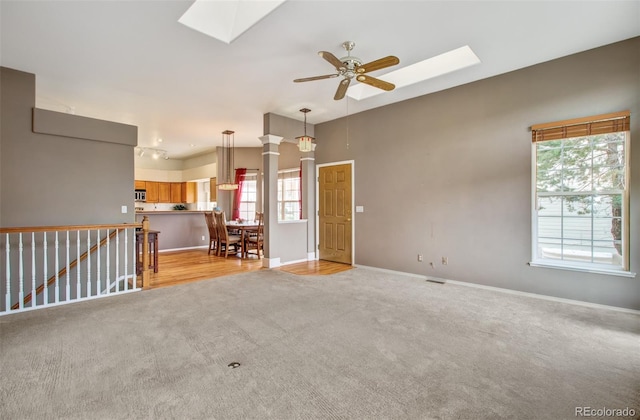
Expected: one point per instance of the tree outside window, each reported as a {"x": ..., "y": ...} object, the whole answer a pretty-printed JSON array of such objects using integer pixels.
[{"x": 580, "y": 200}]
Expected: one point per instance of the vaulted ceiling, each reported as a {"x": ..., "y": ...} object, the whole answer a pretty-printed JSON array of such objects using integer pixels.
[{"x": 133, "y": 62}]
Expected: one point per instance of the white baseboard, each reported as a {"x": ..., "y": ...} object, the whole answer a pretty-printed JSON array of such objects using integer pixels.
[
  {"x": 183, "y": 249},
  {"x": 311, "y": 256},
  {"x": 271, "y": 262},
  {"x": 293, "y": 262},
  {"x": 508, "y": 291},
  {"x": 384, "y": 270}
]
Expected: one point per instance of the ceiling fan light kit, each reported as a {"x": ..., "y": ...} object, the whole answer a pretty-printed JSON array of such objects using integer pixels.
[{"x": 350, "y": 67}]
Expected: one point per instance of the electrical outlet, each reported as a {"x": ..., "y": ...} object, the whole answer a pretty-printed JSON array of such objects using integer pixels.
[
  {"x": 203, "y": 237},
  {"x": 445, "y": 260},
  {"x": 420, "y": 257}
]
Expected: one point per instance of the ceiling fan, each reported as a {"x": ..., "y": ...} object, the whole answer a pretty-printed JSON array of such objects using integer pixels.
[{"x": 351, "y": 67}]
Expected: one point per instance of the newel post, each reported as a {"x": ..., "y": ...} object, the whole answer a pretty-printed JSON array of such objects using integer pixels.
[{"x": 145, "y": 252}]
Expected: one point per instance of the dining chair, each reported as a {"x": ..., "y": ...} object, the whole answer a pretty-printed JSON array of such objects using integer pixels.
[
  {"x": 256, "y": 239},
  {"x": 213, "y": 232},
  {"x": 224, "y": 238}
]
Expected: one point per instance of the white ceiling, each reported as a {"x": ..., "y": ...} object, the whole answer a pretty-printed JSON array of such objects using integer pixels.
[{"x": 133, "y": 62}]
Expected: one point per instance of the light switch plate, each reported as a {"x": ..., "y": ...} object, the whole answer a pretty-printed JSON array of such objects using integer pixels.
[
  {"x": 359, "y": 209},
  {"x": 123, "y": 209}
]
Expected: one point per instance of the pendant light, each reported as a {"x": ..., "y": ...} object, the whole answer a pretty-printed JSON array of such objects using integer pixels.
[
  {"x": 228, "y": 161},
  {"x": 305, "y": 142}
]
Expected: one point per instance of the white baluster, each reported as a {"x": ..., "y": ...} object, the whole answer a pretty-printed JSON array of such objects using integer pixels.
[
  {"x": 33, "y": 269},
  {"x": 68, "y": 285},
  {"x": 68, "y": 280},
  {"x": 117, "y": 261},
  {"x": 98, "y": 291},
  {"x": 126, "y": 257},
  {"x": 45, "y": 298},
  {"x": 7, "y": 296},
  {"x": 134, "y": 259},
  {"x": 88, "y": 263},
  {"x": 78, "y": 288},
  {"x": 56, "y": 289},
  {"x": 108, "y": 261},
  {"x": 21, "y": 271}
]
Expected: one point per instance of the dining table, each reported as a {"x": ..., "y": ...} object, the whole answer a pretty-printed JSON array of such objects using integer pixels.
[{"x": 244, "y": 227}]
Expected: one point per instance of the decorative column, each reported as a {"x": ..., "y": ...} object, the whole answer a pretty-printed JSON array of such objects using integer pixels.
[
  {"x": 270, "y": 153},
  {"x": 308, "y": 162}
]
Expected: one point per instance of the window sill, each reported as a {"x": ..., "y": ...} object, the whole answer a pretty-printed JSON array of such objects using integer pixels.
[
  {"x": 609, "y": 272},
  {"x": 283, "y": 222}
]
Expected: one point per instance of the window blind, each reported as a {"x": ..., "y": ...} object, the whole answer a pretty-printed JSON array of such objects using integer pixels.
[{"x": 579, "y": 127}]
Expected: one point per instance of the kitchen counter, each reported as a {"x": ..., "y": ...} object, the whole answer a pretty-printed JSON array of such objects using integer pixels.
[
  {"x": 170, "y": 211},
  {"x": 184, "y": 232}
]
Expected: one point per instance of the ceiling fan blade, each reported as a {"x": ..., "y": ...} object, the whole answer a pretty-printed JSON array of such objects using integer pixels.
[
  {"x": 378, "y": 64},
  {"x": 380, "y": 84},
  {"x": 308, "y": 79},
  {"x": 335, "y": 61},
  {"x": 342, "y": 89}
]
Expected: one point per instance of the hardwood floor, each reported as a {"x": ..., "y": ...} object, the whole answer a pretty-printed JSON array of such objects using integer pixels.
[
  {"x": 316, "y": 267},
  {"x": 179, "y": 267}
]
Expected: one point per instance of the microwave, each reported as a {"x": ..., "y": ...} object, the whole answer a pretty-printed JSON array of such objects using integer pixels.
[{"x": 141, "y": 195}]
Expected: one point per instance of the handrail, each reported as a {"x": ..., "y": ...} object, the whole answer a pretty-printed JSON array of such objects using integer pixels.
[
  {"x": 69, "y": 227},
  {"x": 28, "y": 294},
  {"x": 62, "y": 272}
]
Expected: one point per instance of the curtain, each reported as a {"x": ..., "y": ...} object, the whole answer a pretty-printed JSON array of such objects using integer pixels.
[
  {"x": 240, "y": 173},
  {"x": 300, "y": 191}
]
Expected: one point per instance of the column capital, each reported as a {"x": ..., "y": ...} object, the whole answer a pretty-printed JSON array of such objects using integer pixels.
[{"x": 270, "y": 139}]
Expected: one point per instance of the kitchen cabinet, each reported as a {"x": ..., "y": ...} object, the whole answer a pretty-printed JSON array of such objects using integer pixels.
[
  {"x": 213, "y": 190},
  {"x": 140, "y": 185},
  {"x": 176, "y": 192},
  {"x": 190, "y": 192},
  {"x": 152, "y": 191},
  {"x": 164, "y": 192}
]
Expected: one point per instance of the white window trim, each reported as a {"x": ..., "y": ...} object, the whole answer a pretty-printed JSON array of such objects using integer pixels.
[
  {"x": 252, "y": 175},
  {"x": 283, "y": 171},
  {"x": 574, "y": 266}
]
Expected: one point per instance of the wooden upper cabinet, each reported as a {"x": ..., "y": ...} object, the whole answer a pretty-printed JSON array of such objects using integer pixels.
[
  {"x": 213, "y": 190},
  {"x": 164, "y": 192},
  {"x": 152, "y": 191},
  {"x": 190, "y": 192},
  {"x": 140, "y": 185},
  {"x": 176, "y": 192}
]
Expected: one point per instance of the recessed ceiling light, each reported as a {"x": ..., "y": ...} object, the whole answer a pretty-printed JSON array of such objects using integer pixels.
[
  {"x": 192, "y": 145},
  {"x": 159, "y": 140},
  {"x": 427, "y": 69},
  {"x": 226, "y": 20}
]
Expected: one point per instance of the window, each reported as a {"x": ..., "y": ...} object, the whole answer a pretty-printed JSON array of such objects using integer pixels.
[
  {"x": 249, "y": 197},
  {"x": 289, "y": 194},
  {"x": 580, "y": 218}
]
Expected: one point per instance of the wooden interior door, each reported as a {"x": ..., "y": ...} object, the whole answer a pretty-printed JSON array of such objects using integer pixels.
[{"x": 335, "y": 221}]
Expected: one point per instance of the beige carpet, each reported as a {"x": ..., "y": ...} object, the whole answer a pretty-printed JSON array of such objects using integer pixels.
[{"x": 356, "y": 345}]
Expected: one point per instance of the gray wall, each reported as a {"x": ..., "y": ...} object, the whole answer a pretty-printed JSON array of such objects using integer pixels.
[
  {"x": 449, "y": 174},
  {"x": 50, "y": 180}
]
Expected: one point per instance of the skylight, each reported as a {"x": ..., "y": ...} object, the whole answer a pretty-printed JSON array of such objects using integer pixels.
[
  {"x": 226, "y": 20},
  {"x": 427, "y": 69}
]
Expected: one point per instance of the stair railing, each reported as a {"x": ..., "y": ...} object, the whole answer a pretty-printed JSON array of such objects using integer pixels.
[{"x": 52, "y": 265}]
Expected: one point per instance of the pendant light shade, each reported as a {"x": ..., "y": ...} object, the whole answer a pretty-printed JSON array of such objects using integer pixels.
[
  {"x": 228, "y": 163},
  {"x": 305, "y": 143}
]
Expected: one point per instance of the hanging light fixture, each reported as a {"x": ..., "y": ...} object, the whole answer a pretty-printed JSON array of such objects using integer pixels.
[
  {"x": 305, "y": 143},
  {"x": 228, "y": 162}
]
